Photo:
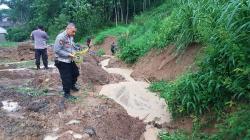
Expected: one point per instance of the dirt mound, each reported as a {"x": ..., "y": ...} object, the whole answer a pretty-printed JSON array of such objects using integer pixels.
[
  {"x": 116, "y": 63},
  {"x": 49, "y": 80},
  {"x": 39, "y": 116},
  {"x": 91, "y": 72},
  {"x": 9, "y": 66},
  {"x": 106, "y": 45},
  {"x": 164, "y": 65},
  {"x": 128, "y": 128},
  {"x": 8, "y": 53},
  {"x": 25, "y": 51},
  {"x": 17, "y": 74}
]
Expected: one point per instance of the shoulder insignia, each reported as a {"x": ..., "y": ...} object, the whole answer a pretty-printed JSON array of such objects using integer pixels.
[{"x": 61, "y": 42}]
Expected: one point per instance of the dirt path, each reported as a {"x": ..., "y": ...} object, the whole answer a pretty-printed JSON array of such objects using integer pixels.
[{"x": 137, "y": 99}]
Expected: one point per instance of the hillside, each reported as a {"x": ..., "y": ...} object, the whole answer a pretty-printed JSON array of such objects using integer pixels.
[
  {"x": 181, "y": 71},
  {"x": 218, "y": 85}
]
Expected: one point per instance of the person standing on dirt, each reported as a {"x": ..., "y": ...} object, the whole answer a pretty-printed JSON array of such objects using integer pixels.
[
  {"x": 40, "y": 37},
  {"x": 64, "y": 50},
  {"x": 88, "y": 42},
  {"x": 113, "y": 48}
]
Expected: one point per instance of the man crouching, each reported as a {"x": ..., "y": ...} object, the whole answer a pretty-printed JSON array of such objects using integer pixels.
[{"x": 64, "y": 50}]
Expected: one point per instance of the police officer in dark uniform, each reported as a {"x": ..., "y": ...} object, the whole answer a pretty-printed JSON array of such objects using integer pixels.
[{"x": 64, "y": 50}]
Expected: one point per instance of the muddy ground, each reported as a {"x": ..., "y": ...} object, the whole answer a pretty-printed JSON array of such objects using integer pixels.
[
  {"x": 42, "y": 112},
  {"x": 38, "y": 117}
]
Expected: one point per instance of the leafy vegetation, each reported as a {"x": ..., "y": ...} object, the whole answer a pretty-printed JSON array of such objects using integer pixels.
[
  {"x": 222, "y": 27},
  {"x": 8, "y": 44},
  {"x": 222, "y": 79},
  {"x": 88, "y": 15},
  {"x": 32, "y": 91},
  {"x": 109, "y": 32},
  {"x": 224, "y": 71},
  {"x": 235, "y": 126},
  {"x": 100, "y": 52}
]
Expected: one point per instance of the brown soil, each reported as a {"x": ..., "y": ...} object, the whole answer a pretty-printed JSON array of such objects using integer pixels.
[
  {"x": 116, "y": 63},
  {"x": 92, "y": 72},
  {"x": 24, "y": 51},
  {"x": 185, "y": 124},
  {"x": 38, "y": 116},
  {"x": 41, "y": 116},
  {"x": 17, "y": 74},
  {"x": 164, "y": 65},
  {"x": 106, "y": 45},
  {"x": 8, "y": 54},
  {"x": 9, "y": 66}
]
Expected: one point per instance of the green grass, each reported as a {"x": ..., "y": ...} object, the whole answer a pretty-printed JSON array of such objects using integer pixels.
[
  {"x": 32, "y": 91},
  {"x": 100, "y": 52},
  {"x": 8, "y": 44},
  {"x": 223, "y": 73},
  {"x": 234, "y": 126},
  {"x": 26, "y": 64},
  {"x": 109, "y": 32}
]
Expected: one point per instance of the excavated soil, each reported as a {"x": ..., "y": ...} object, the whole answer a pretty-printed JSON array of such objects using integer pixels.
[
  {"x": 116, "y": 63},
  {"x": 24, "y": 51},
  {"x": 41, "y": 117},
  {"x": 91, "y": 116},
  {"x": 49, "y": 116},
  {"x": 106, "y": 46},
  {"x": 165, "y": 65},
  {"x": 8, "y": 53},
  {"x": 92, "y": 72}
]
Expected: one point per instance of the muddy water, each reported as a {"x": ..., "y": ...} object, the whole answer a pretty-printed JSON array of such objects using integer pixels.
[{"x": 137, "y": 100}]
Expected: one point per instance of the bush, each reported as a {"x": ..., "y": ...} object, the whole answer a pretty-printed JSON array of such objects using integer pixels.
[
  {"x": 235, "y": 126},
  {"x": 18, "y": 34},
  {"x": 100, "y": 52},
  {"x": 224, "y": 72}
]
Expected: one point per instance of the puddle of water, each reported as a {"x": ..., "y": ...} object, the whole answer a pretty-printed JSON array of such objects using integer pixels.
[
  {"x": 51, "y": 138},
  {"x": 137, "y": 100},
  {"x": 135, "y": 97},
  {"x": 10, "y": 106},
  {"x": 151, "y": 133},
  {"x": 77, "y": 136},
  {"x": 73, "y": 122},
  {"x": 55, "y": 137},
  {"x": 19, "y": 69},
  {"x": 124, "y": 72}
]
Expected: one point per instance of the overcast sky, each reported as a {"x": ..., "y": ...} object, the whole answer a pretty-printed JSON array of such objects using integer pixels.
[{"x": 3, "y": 6}]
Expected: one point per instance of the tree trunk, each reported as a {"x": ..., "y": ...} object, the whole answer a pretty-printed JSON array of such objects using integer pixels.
[
  {"x": 134, "y": 7},
  {"x": 115, "y": 14},
  {"x": 122, "y": 18},
  {"x": 127, "y": 11}
]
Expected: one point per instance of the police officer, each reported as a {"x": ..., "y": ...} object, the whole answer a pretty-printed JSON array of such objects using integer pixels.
[
  {"x": 40, "y": 37},
  {"x": 113, "y": 48},
  {"x": 64, "y": 50}
]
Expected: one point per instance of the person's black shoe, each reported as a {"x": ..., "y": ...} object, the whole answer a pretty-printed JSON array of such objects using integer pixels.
[
  {"x": 37, "y": 67},
  {"x": 70, "y": 97},
  {"x": 75, "y": 89},
  {"x": 46, "y": 68}
]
